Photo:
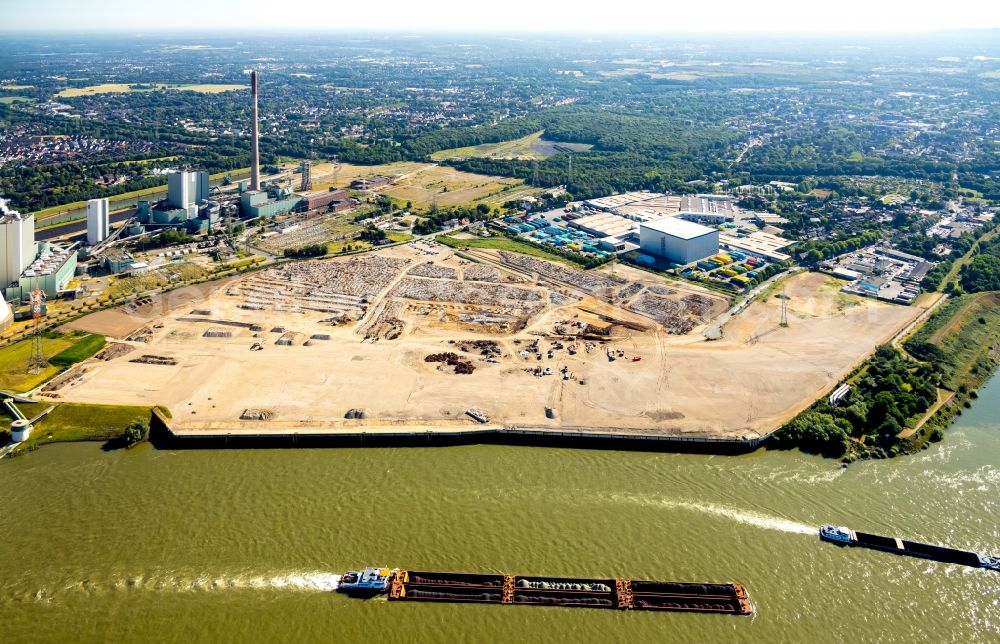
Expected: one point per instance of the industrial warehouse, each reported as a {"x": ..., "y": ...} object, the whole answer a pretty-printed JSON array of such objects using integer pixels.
[{"x": 691, "y": 234}]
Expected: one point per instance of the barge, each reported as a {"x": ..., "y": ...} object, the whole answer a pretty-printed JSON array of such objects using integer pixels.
[
  {"x": 847, "y": 537},
  {"x": 621, "y": 594}
]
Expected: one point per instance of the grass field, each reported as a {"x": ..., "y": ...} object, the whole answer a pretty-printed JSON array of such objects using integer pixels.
[
  {"x": 527, "y": 147},
  {"x": 964, "y": 329},
  {"x": 424, "y": 184},
  {"x": 323, "y": 173},
  {"x": 965, "y": 335},
  {"x": 83, "y": 422},
  {"x": 14, "y": 360},
  {"x": 80, "y": 351},
  {"x": 16, "y": 88},
  {"x": 502, "y": 243},
  {"x": 123, "y": 88},
  {"x": 447, "y": 186}
]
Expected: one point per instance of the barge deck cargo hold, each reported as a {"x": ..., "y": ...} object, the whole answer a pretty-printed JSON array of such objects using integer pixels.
[
  {"x": 847, "y": 537},
  {"x": 623, "y": 594}
]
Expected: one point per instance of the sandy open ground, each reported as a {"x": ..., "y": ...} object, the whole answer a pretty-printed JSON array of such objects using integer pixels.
[{"x": 358, "y": 332}]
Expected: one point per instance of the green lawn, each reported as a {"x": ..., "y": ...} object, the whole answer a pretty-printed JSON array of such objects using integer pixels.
[
  {"x": 14, "y": 359},
  {"x": 80, "y": 351},
  {"x": 956, "y": 330},
  {"x": 84, "y": 422},
  {"x": 503, "y": 243}
]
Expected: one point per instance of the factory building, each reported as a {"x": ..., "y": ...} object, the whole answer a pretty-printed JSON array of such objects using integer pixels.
[
  {"x": 710, "y": 218},
  {"x": 604, "y": 225},
  {"x": 17, "y": 244},
  {"x": 117, "y": 260},
  {"x": 186, "y": 189},
  {"x": 51, "y": 271},
  {"x": 275, "y": 201},
  {"x": 6, "y": 315},
  {"x": 336, "y": 200},
  {"x": 98, "y": 223},
  {"x": 678, "y": 240},
  {"x": 186, "y": 204}
]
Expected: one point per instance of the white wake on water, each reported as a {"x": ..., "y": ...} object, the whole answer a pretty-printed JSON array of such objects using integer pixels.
[
  {"x": 740, "y": 515},
  {"x": 314, "y": 581}
]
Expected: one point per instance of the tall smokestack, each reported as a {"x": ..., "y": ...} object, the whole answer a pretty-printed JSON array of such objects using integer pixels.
[{"x": 255, "y": 145}]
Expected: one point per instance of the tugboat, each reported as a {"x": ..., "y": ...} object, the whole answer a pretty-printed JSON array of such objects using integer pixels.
[
  {"x": 367, "y": 582},
  {"x": 836, "y": 534},
  {"x": 993, "y": 563}
]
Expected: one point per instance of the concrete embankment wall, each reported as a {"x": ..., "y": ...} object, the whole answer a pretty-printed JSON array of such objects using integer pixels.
[{"x": 163, "y": 436}]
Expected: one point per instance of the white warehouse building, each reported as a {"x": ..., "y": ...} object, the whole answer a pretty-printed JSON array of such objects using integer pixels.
[
  {"x": 98, "y": 225},
  {"x": 679, "y": 241}
]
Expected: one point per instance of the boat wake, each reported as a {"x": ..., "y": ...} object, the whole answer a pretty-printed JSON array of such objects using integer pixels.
[
  {"x": 739, "y": 515},
  {"x": 166, "y": 583},
  {"x": 750, "y": 517}
]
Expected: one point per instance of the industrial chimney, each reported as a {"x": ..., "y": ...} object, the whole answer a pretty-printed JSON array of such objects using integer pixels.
[{"x": 255, "y": 145}]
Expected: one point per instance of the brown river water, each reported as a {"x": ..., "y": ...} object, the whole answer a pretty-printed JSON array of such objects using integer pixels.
[{"x": 151, "y": 545}]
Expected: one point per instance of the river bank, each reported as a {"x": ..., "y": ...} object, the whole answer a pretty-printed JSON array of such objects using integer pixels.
[{"x": 895, "y": 403}]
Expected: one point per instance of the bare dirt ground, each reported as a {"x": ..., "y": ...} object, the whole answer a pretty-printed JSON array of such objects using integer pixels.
[{"x": 355, "y": 334}]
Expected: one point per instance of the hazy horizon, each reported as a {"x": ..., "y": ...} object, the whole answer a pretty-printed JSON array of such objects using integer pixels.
[{"x": 729, "y": 17}]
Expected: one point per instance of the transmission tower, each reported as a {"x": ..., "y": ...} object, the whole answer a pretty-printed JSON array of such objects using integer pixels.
[
  {"x": 570, "y": 182},
  {"x": 37, "y": 362},
  {"x": 336, "y": 170},
  {"x": 534, "y": 168}
]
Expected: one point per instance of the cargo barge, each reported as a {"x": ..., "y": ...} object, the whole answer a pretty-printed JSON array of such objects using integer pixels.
[
  {"x": 847, "y": 537},
  {"x": 621, "y": 594}
]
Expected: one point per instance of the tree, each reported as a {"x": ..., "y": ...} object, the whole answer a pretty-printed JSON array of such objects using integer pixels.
[{"x": 135, "y": 432}]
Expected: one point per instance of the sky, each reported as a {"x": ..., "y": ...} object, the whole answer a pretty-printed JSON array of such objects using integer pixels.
[{"x": 598, "y": 16}]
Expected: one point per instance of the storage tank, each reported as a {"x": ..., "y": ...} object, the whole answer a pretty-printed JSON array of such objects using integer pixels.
[{"x": 20, "y": 430}]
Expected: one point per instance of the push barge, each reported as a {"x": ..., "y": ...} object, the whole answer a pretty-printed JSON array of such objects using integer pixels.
[
  {"x": 847, "y": 537},
  {"x": 622, "y": 594}
]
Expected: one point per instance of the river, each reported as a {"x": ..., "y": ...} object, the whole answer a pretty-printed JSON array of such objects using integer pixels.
[{"x": 148, "y": 545}]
